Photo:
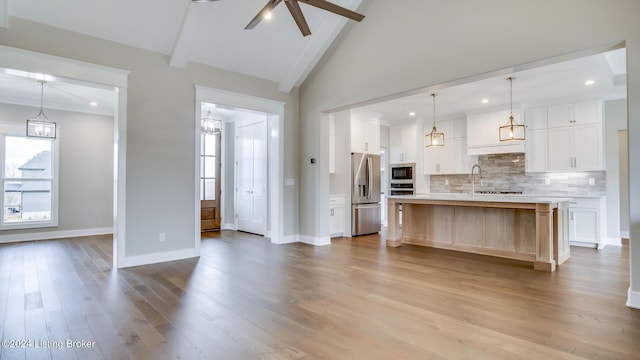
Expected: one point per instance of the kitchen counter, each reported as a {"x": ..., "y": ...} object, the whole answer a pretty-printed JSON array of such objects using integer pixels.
[{"x": 529, "y": 228}]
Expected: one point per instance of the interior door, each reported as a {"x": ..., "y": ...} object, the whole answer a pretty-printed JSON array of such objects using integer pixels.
[
  {"x": 210, "y": 165},
  {"x": 251, "y": 170}
]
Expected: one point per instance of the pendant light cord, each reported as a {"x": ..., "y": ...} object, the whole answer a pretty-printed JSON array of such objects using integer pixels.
[
  {"x": 433, "y": 95},
  {"x": 511, "y": 98}
]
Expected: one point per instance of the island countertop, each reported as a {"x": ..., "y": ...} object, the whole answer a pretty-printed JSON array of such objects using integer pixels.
[
  {"x": 488, "y": 198},
  {"x": 522, "y": 227}
]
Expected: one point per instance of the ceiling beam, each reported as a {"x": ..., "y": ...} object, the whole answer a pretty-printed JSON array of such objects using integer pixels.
[
  {"x": 193, "y": 18},
  {"x": 4, "y": 13},
  {"x": 319, "y": 42}
]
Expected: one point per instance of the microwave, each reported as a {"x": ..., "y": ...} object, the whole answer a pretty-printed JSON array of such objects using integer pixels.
[{"x": 402, "y": 171}]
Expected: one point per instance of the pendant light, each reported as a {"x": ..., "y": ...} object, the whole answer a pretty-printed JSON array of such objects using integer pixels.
[
  {"x": 513, "y": 130},
  {"x": 434, "y": 138},
  {"x": 210, "y": 125},
  {"x": 40, "y": 126}
]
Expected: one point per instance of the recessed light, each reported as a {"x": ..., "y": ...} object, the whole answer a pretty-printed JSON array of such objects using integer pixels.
[
  {"x": 485, "y": 101},
  {"x": 267, "y": 15},
  {"x": 93, "y": 103},
  {"x": 589, "y": 82},
  {"x": 412, "y": 114}
]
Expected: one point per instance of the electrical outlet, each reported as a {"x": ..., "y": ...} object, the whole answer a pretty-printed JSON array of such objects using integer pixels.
[
  {"x": 547, "y": 181},
  {"x": 592, "y": 181},
  {"x": 162, "y": 237},
  {"x": 446, "y": 181},
  {"x": 481, "y": 182}
]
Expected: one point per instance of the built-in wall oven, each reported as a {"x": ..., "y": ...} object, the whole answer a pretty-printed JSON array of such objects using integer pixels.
[{"x": 402, "y": 179}]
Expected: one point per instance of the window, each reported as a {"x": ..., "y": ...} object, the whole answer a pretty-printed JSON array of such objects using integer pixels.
[
  {"x": 29, "y": 182},
  {"x": 208, "y": 166}
]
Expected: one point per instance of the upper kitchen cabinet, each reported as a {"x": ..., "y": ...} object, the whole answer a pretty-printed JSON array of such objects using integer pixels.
[
  {"x": 365, "y": 132},
  {"x": 575, "y": 137},
  {"x": 403, "y": 143},
  {"x": 483, "y": 136},
  {"x": 536, "y": 139},
  {"x": 451, "y": 158}
]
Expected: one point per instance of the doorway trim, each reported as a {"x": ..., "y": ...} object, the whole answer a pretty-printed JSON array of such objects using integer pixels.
[
  {"x": 101, "y": 76},
  {"x": 275, "y": 145}
]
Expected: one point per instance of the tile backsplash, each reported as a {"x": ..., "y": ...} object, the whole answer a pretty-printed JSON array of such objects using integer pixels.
[{"x": 505, "y": 172}]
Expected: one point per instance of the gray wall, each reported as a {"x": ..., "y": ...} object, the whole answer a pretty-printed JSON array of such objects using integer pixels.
[
  {"x": 85, "y": 169},
  {"x": 615, "y": 120},
  {"x": 426, "y": 43},
  {"x": 160, "y": 130}
]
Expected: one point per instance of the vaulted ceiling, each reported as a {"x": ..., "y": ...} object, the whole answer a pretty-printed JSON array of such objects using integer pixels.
[{"x": 210, "y": 33}]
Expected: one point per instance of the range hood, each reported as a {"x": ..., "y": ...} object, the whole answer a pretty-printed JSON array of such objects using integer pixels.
[{"x": 483, "y": 134}]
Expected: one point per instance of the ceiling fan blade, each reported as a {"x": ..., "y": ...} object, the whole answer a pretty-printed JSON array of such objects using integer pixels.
[
  {"x": 336, "y": 9},
  {"x": 298, "y": 16},
  {"x": 265, "y": 10}
]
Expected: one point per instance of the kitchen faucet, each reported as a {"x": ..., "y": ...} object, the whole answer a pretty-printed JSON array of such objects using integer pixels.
[{"x": 473, "y": 178}]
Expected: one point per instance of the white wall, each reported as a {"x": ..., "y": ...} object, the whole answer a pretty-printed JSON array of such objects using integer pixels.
[
  {"x": 160, "y": 130},
  {"x": 85, "y": 169},
  {"x": 615, "y": 113},
  {"x": 425, "y": 43}
]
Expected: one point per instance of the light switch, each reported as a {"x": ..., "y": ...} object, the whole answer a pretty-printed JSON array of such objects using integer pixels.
[{"x": 289, "y": 181}]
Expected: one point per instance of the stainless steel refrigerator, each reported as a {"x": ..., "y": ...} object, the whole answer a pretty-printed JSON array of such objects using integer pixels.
[{"x": 365, "y": 194}]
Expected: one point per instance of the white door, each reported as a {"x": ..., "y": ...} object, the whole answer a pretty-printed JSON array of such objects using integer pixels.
[{"x": 251, "y": 170}]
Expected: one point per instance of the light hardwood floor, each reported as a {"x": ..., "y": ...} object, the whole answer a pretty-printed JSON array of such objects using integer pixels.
[{"x": 356, "y": 299}]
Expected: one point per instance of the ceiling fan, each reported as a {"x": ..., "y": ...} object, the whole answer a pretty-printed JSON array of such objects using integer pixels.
[{"x": 296, "y": 12}]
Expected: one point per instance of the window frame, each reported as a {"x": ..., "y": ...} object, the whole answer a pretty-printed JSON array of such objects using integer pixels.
[{"x": 15, "y": 130}]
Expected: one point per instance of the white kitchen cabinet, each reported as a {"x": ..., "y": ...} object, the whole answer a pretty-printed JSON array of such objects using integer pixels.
[
  {"x": 576, "y": 148},
  {"x": 583, "y": 113},
  {"x": 536, "y": 156},
  {"x": 440, "y": 159},
  {"x": 586, "y": 222},
  {"x": 566, "y": 137},
  {"x": 536, "y": 118},
  {"x": 403, "y": 143},
  {"x": 451, "y": 158},
  {"x": 463, "y": 163},
  {"x": 483, "y": 135},
  {"x": 365, "y": 133},
  {"x": 336, "y": 215}
]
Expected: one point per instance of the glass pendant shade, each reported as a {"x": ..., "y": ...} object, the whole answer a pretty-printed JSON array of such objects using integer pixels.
[
  {"x": 210, "y": 125},
  {"x": 512, "y": 130},
  {"x": 40, "y": 126},
  {"x": 434, "y": 138}
]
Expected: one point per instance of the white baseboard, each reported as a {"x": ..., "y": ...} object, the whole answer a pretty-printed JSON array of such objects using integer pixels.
[
  {"x": 50, "y": 235},
  {"x": 138, "y": 260},
  {"x": 288, "y": 239},
  {"x": 624, "y": 234},
  {"x": 316, "y": 241},
  {"x": 633, "y": 299},
  {"x": 229, "y": 226},
  {"x": 614, "y": 241}
]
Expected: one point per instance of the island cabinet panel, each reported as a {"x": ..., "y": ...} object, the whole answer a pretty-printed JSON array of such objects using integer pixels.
[
  {"x": 532, "y": 230},
  {"x": 473, "y": 233},
  {"x": 500, "y": 229},
  {"x": 526, "y": 230}
]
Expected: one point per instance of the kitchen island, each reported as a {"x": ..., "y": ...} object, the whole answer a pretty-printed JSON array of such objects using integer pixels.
[{"x": 529, "y": 228}]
